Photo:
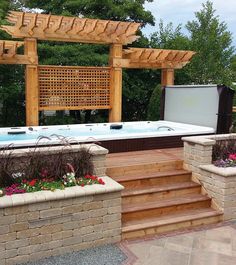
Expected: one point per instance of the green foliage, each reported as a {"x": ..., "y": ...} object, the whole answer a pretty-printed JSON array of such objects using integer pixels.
[
  {"x": 168, "y": 37},
  {"x": 233, "y": 67},
  {"x": 213, "y": 43},
  {"x": 54, "y": 53},
  {"x": 124, "y": 10},
  {"x": 12, "y": 95},
  {"x": 138, "y": 86},
  {"x": 4, "y": 5},
  {"x": 153, "y": 113}
]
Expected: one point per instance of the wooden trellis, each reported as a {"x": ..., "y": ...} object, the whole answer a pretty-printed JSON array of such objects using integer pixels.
[
  {"x": 79, "y": 88},
  {"x": 74, "y": 88}
]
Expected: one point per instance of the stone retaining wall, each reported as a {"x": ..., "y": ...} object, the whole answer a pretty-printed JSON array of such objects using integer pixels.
[
  {"x": 219, "y": 183},
  {"x": 42, "y": 224},
  {"x": 52, "y": 223}
]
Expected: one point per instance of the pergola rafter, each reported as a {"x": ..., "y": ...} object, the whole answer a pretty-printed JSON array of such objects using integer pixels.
[
  {"x": 9, "y": 55},
  {"x": 154, "y": 58},
  {"x": 70, "y": 29}
]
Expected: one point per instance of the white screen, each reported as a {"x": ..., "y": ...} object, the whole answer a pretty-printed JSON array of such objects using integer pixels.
[{"x": 196, "y": 105}]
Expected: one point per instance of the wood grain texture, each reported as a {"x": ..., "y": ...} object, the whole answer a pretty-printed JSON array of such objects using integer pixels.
[
  {"x": 74, "y": 88},
  {"x": 9, "y": 53},
  {"x": 31, "y": 80},
  {"x": 70, "y": 29},
  {"x": 154, "y": 58}
]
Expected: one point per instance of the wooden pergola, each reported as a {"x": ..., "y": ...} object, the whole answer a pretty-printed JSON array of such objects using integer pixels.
[{"x": 80, "y": 88}]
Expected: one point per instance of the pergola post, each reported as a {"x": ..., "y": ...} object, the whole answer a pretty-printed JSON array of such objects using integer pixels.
[
  {"x": 115, "y": 113},
  {"x": 31, "y": 80},
  {"x": 167, "y": 77}
]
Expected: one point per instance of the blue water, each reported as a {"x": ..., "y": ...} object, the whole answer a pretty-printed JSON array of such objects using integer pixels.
[{"x": 89, "y": 132}]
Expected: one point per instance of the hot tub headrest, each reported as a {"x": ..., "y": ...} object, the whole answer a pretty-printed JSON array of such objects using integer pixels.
[
  {"x": 116, "y": 126},
  {"x": 16, "y": 132}
]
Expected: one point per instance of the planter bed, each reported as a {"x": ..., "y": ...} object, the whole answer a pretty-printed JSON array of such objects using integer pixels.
[
  {"x": 45, "y": 223},
  {"x": 219, "y": 182}
]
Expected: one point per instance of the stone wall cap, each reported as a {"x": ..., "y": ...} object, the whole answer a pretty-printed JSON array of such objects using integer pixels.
[
  {"x": 93, "y": 148},
  {"x": 72, "y": 192},
  {"x": 221, "y": 171},
  {"x": 201, "y": 140}
]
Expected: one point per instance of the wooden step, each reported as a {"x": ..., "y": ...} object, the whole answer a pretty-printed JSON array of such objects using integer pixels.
[
  {"x": 153, "y": 193},
  {"x": 171, "y": 222},
  {"x": 164, "y": 206},
  {"x": 144, "y": 168},
  {"x": 154, "y": 178}
]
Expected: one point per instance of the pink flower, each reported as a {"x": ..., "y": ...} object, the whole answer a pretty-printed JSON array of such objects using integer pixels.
[{"x": 232, "y": 156}]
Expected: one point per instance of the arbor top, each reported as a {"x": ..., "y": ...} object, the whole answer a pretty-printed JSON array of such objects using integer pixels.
[
  {"x": 70, "y": 29},
  {"x": 8, "y": 48},
  {"x": 156, "y": 58}
]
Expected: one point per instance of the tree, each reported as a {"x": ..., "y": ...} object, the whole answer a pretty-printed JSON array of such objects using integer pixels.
[
  {"x": 168, "y": 37},
  {"x": 213, "y": 43},
  {"x": 4, "y": 5},
  {"x": 12, "y": 110},
  {"x": 153, "y": 113},
  {"x": 124, "y": 10}
]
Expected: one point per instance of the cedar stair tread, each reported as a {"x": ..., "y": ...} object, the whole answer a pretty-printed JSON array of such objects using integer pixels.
[
  {"x": 160, "y": 174},
  {"x": 160, "y": 188},
  {"x": 184, "y": 216},
  {"x": 190, "y": 198}
]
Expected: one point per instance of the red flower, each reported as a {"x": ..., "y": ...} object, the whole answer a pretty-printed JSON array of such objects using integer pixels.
[
  {"x": 32, "y": 182},
  {"x": 82, "y": 184},
  {"x": 100, "y": 181},
  {"x": 24, "y": 181},
  {"x": 87, "y": 176},
  {"x": 232, "y": 156}
]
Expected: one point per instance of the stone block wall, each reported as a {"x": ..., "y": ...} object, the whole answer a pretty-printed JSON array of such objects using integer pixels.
[
  {"x": 218, "y": 183},
  {"x": 45, "y": 223},
  {"x": 197, "y": 151}
]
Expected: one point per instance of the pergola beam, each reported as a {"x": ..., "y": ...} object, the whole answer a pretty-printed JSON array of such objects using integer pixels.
[
  {"x": 70, "y": 29},
  {"x": 9, "y": 55},
  {"x": 154, "y": 58}
]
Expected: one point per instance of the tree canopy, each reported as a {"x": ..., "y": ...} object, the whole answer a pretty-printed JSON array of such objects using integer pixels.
[
  {"x": 212, "y": 41},
  {"x": 214, "y": 62},
  {"x": 124, "y": 10}
]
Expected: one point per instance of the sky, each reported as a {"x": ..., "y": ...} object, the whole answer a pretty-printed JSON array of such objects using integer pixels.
[{"x": 181, "y": 11}]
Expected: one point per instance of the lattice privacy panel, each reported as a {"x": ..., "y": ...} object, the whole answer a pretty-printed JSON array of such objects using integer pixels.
[{"x": 74, "y": 88}]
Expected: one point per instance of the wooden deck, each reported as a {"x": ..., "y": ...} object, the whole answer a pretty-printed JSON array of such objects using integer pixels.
[
  {"x": 143, "y": 157},
  {"x": 159, "y": 195}
]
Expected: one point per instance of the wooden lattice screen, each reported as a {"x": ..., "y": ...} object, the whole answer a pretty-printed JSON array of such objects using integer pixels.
[{"x": 74, "y": 88}]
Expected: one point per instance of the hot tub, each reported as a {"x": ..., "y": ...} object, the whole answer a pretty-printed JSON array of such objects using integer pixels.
[{"x": 116, "y": 137}]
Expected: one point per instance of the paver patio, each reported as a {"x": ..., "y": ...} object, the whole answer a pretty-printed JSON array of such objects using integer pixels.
[{"x": 213, "y": 246}]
